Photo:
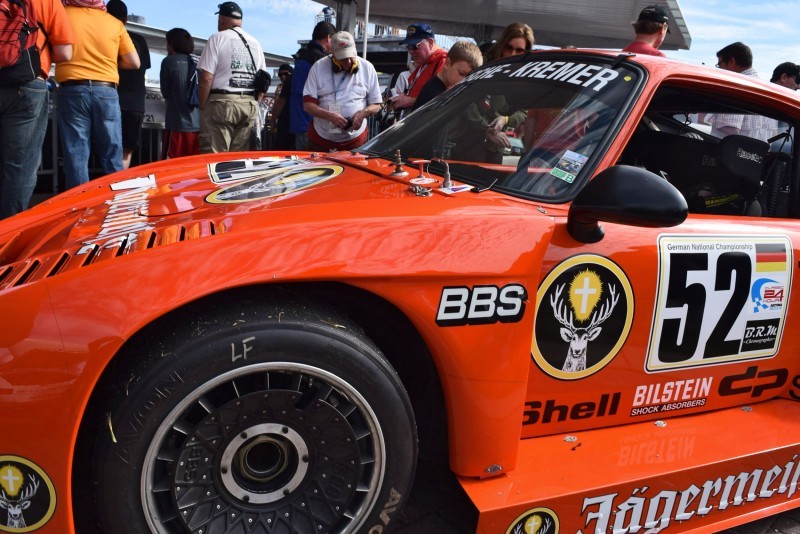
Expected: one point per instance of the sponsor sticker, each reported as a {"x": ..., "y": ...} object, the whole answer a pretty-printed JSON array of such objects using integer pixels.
[
  {"x": 242, "y": 169},
  {"x": 538, "y": 412},
  {"x": 422, "y": 180},
  {"x": 568, "y": 166},
  {"x": 126, "y": 218},
  {"x": 584, "y": 314},
  {"x": 754, "y": 382},
  {"x": 455, "y": 189},
  {"x": 596, "y": 78},
  {"x": 535, "y": 521},
  {"x": 659, "y": 398},
  {"x": 274, "y": 184},
  {"x": 26, "y": 494},
  {"x": 654, "y": 508},
  {"x": 720, "y": 299},
  {"x": 462, "y": 305}
]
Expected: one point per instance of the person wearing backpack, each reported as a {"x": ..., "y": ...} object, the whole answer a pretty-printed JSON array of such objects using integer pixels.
[
  {"x": 131, "y": 89},
  {"x": 25, "y": 100},
  {"x": 182, "y": 120},
  {"x": 88, "y": 108},
  {"x": 228, "y": 66}
]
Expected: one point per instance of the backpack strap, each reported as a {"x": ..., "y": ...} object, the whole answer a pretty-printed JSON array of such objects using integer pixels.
[{"x": 255, "y": 67}]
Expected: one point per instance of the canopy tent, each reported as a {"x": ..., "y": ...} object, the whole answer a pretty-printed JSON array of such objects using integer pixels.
[{"x": 558, "y": 23}]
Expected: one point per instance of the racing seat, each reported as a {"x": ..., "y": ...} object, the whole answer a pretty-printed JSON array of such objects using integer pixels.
[{"x": 722, "y": 177}]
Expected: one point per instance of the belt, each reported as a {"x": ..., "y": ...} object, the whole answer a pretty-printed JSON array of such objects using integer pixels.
[
  {"x": 88, "y": 82},
  {"x": 226, "y": 92}
]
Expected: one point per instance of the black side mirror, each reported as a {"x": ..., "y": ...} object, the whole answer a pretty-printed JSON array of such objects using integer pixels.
[{"x": 625, "y": 195}]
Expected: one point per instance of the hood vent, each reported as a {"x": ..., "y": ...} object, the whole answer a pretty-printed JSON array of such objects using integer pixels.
[{"x": 49, "y": 265}]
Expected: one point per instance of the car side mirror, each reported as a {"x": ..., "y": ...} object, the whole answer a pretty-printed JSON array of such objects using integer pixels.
[{"x": 623, "y": 194}]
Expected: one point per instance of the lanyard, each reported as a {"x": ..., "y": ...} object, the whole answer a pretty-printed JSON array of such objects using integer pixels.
[{"x": 336, "y": 89}]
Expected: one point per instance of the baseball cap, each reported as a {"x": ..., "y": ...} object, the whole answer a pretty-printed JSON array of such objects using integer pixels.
[
  {"x": 343, "y": 45},
  {"x": 655, "y": 14},
  {"x": 229, "y": 9},
  {"x": 416, "y": 33}
]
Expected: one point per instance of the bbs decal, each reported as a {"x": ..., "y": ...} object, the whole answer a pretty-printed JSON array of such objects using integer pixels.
[
  {"x": 584, "y": 311},
  {"x": 488, "y": 304},
  {"x": 720, "y": 299}
]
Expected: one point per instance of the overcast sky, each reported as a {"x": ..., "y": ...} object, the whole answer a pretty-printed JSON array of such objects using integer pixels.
[{"x": 769, "y": 28}]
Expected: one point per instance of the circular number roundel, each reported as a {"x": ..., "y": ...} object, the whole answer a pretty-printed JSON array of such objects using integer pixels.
[{"x": 584, "y": 310}]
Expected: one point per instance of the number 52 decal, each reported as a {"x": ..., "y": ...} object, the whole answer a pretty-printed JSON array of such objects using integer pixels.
[{"x": 720, "y": 299}]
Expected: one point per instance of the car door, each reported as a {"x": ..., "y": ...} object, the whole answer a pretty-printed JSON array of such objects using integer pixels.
[{"x": 650, "y": 323}]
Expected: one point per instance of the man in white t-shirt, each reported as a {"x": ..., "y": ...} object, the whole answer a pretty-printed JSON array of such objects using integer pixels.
[
  {"x": 227, "y": 71},
  {"x": 340, "y": 93}
]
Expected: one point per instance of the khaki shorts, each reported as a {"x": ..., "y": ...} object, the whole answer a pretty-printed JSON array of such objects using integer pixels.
[{"x": 226, "y": 123}]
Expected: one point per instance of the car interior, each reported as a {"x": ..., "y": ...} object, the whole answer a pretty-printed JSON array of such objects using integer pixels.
[{"x": 730, "y": 174}]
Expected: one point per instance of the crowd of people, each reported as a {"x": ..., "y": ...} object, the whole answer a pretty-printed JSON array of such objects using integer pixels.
[{"x": 323, "y": 104}]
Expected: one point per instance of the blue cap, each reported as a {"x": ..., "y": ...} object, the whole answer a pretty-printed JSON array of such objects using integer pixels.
[{"x": 416, "y": 33}]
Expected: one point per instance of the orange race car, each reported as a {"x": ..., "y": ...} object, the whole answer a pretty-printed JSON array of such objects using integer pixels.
[{"x": 595, "y": 333}]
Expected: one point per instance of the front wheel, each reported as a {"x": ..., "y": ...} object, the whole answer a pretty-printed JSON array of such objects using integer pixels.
[{"x": 273, "y": 419}]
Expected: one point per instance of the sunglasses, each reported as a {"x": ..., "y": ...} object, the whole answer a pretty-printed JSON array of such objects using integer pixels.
[
  {"x": 509, "y": 48},
  {"x": 283, "y": 74}
]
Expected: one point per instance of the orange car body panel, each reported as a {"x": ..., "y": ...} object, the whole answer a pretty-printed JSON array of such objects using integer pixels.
[{"x": 83, "y": 272}]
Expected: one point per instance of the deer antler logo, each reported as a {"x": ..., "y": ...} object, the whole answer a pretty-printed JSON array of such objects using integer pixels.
[
  {"x": 15, "y": 507},
  {"x": 579, "y": 337},
  {"x": 592, "y": 311}
]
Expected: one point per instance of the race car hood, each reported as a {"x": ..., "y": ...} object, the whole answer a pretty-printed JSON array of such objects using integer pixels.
[{"x": 206, "y": 196}]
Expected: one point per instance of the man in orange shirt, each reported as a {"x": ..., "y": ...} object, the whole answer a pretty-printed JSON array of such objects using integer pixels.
[
  {"x": 88, "y": 103},
  {"x": 427, "y": 56},
  {"x": 24, "y": 110}
]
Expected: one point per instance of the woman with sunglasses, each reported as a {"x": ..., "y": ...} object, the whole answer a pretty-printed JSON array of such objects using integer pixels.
[
  {"x": 486, "y": 125},
  {"x": 516, "y": 39}
]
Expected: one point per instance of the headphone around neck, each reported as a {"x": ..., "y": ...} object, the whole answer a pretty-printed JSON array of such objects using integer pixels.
[{"x": 338, "y": 68}]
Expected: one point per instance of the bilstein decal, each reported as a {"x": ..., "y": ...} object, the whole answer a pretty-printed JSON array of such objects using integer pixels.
[
  {"x": 535, "y": 521},
  {"x": 26, "y": 494},
  {"x": 671, "y": 396},
  {"x": 584, "y": 313},
  {"x": 272, "y": 185}
]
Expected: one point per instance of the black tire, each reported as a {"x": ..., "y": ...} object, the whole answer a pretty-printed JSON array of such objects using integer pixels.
[{"x": 270, "y": 418}]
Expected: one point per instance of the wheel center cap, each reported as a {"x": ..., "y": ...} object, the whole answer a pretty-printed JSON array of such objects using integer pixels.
[{"x": 260, "y": 454}]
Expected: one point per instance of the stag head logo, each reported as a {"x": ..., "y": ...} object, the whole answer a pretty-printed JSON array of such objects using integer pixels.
[
  {"x": 536, "y": 521},
  {"x": 579, "y": 336},
  {"x": 22, "y": 490},
  {"x": 584, "y": 314}
]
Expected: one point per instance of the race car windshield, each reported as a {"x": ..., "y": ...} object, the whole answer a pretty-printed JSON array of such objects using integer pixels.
[{"x": 532, "y": 127}]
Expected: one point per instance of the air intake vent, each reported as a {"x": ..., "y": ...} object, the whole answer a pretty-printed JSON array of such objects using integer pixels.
[{"x": 51, "y": 265}]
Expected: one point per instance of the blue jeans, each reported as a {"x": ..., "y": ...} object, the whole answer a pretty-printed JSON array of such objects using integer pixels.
[
  {"x": 89, "y": 113},
  {"x": 23, "y": 122}
]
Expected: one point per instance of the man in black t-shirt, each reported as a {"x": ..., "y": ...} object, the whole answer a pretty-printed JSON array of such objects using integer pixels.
[
  {"x": 279, "y": 120},
  {"x": 131, "y": 88}
]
